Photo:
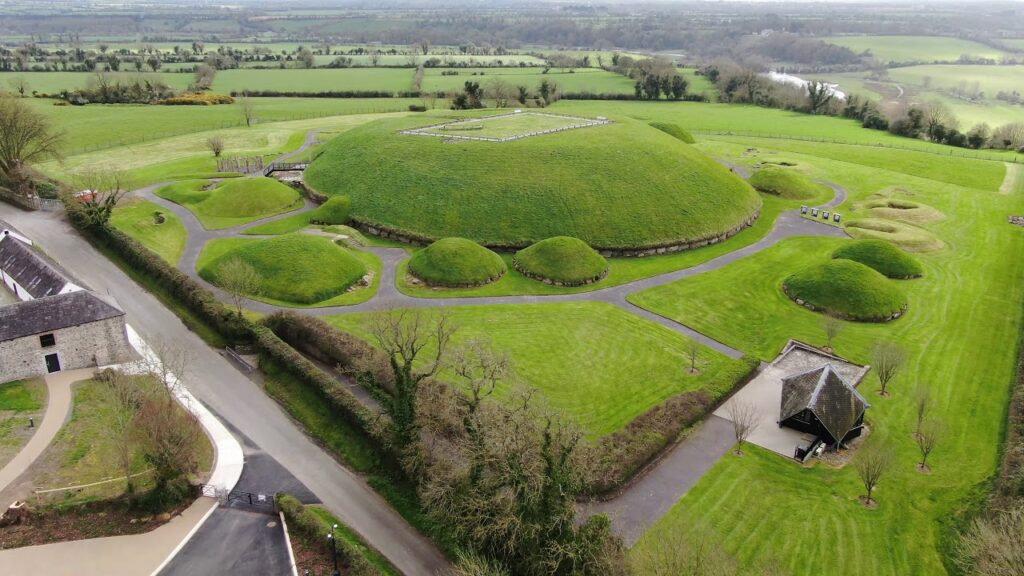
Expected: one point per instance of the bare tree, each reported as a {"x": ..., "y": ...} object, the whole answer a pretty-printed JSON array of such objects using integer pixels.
[
  {"x": 693, "y": 354},
  {"x": 481, "y": 370},
  {"x": 374, "y": 57},
  {"x": 922, "y": 405},
  {"x": 928, "y": 435},
  {"x": 240, "y": 280},
  {"x": 744, "y": 421},
  {"x": 169, "y": 437},
  {"x": 100, "y": 189},
  {"x": 819, "y": 96},
  {"x": 424, "y": 47},
  {"x": 216, "y": 145},
  {"x": 122, "y": 400},
  {"x": 404, "y": 335},
  {"x": 19, "y": 85},
  {"x": 888, "y": 359},
  {"x": 832, "y": 327},
  {"x": 690, "y": 551},
  {"x": 168, "y": 364},
  {"x": 502, "y": 92},
  {"x": 871, "y": 464},
  {"x": 470, "y": 563},
  {"x": 248, "y": 109},
  {"x": 994, "y": 545},
  {"x": 26, "y": 137},
  {"x": 204, "y": 76},
  {"x": 412, "y": 58}
]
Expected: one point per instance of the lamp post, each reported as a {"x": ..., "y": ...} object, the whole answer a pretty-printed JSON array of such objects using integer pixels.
[{"x": 334, "y": 548}]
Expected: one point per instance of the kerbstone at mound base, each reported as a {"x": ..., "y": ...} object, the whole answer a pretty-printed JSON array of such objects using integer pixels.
[
  {"x": 846, "y": 289},
  {"x": 882, "y": 256}
]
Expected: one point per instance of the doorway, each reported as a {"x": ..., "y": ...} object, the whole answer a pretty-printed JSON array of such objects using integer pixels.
[{"x": 52, "y": 363}]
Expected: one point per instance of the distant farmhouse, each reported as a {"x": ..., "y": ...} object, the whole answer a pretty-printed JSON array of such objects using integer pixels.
[{"x": 58, "y": 325}]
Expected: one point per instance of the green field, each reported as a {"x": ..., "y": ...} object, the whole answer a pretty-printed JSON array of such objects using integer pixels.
[
  {"x": 54, "y": 82},
  {"x": 599, "y": 364},
  {"x": 327, "y": 269},
  {"x": 316, "y": 80},
  {"x": 19, "y": 400},
  {"x": 581, "y": 80},
  {"x": 584, "y": 185},
  {"x": 232, "y": 202},
  {"x": 503, "y": 126},
  {"x": 138, "y": 220},
  {"x": 989, "y": 79},
  {"x": 963, "y": 319},
  {"x": 915, "y": 48}
]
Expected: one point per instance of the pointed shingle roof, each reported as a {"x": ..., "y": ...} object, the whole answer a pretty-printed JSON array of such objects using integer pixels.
[
  {"x": 835, "y": 403},
  {"x": 19, "y": 261},
  {"x": 51, "y": 313}
]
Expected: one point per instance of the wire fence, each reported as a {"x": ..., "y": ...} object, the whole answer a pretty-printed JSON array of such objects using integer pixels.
[
  {"x": 944, "y": 151},
  {"x": 240, "y": 123}
]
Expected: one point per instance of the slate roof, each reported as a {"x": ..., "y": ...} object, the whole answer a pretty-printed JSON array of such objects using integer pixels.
[
  {"x": 835, "y": 403},
  {"x": 54, "y": 313},
  {"x": 29, "y": 270}
]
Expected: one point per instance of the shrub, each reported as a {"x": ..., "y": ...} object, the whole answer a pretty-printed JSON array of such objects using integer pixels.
[
  {"x": 335, "y": 210},
  {"x": 307, "y": 524},
  {"x": 562, "y": 259},
  {"x": 786, "y": 184},
  {"x": 674, "y": 130},
  {"x": 197, "y": 99},
  {"x": 417, "y": 108},
  {"x": 882, "y": 256},
  {"x": 846, "y": 289},
  {"x": 456, "y": 262}
]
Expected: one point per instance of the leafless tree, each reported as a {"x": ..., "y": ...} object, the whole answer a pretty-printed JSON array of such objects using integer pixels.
[
  {"x": 19, "y": 85},
  {"x": 922, "y": 405},
  {"x": 502, "y": 92},
  {"x": 888, "y": 359},
  {"x": 424, "y": 47},
  {"x": 168, "y": 364},
  {"x": 832, "y": 327},
  {"x": 216, "y": 145},
  {"x": 928, "y": 435},
  {"x": 248, "y": 109},
  {"x": 411, "y": 57},
  {"x": 470, "y": 563},
  {"x": 690, "y": 551},
  {"x": 240, "y": 280},
  {"x": 871, "y": 464},
  {"x": 994, "y": 545},
  {"x": 819, "y": 97},
  {"x": 100, "y": 189},
  {"x": 26, "y": 137},
  {"x": 204, "y": 76},
  {"x": 169, "y": 437},
  {"x": 122, "y": 400},
  {"x": 374, "y": 57},
  {"x": 743, "y": 415},
  {"x": 693, "y": 354}
]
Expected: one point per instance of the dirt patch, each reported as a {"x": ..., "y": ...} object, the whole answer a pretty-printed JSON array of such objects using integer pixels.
[
  {"x": 1012, "y": 180},
  {"x": 869, "y": 504}
]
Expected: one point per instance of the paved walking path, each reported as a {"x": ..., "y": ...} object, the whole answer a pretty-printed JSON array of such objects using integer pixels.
[
  {"x": 135, "y": 555},
  {"x": 58, "y": 408}
]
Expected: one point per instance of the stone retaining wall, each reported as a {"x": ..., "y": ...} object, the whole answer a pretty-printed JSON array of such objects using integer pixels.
[
  {"x": 562, "y": 283},
  {"x": 469, "y": 285},
  {"x": 814, "y": 308}
]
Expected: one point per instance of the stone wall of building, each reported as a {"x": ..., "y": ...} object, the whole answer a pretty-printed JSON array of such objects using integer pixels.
[{"x": 94, "y": 344}]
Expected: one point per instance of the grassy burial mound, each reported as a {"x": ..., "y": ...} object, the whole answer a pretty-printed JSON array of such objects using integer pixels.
[
  {"x": 882, "y": 256},
  {"x": 786, "y": 184},
  {"x": 456, "y": 262},
  {"x": 846, "y": 289},
  {"x": 674, "y": 130},
  {"x": 904, "y": 210},
  {"x": 622, "y": 185},
  {"x": 906, "y": 236},
  {"x": 232, "y": 202},
  {"x": 295, "y": 268},
  {"x": 334, "y": 212},
  {"x": 562, "y": 260}
]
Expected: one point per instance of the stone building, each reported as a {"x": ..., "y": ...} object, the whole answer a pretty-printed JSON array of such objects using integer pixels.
[{"x": 26, "y": 273}]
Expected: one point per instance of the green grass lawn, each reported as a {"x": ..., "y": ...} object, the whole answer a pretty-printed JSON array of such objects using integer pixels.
[
  {"x": 597, "y": 363},
  {"x": 19, "y": 400},
  {"x": 990, "y": 79},
  {"x": 456, "y": 262},
  {"x": 846, "y": 289},
  {"x": 582, "y": 80},
  {"x": 915, "y": 48},
  {"x": 137, "y": 219},
  {"x": 960, "y": 332},
  {"x": 562, "y": 259},
  {"x": 585, "y": 185},
  {"x": 502, "y": 125},
  {"x": 316, "y": 80},
  {"x": 232, "y": 202},
  {"x": 326, "y": 269},
  {"x": 785, "y": 183}
]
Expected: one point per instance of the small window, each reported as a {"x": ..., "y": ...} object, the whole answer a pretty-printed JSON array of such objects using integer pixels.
[{"x": 47, "y": 340}]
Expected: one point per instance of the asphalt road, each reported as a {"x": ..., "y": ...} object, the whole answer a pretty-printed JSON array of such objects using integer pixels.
[
  {"x": 237, "y": 400},
  {"x": 234, "y": 542}
]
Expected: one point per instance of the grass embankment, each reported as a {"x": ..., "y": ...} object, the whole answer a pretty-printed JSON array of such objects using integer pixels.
[
  {"x": 907, "y": 236},
  {"x": 19, "y": 401},
  {"x": 890, "y": 208},
  {"x": 153, "y": 226},
  {"x": 456, "y": 262},
  {"x": 229, "y": 203},
  {"x": 335, "y": 211},
  {"x": 959, "y": 332},
  {"x": 294, "y": 268},
  {"x": 785, "y": 184},
  {"x": 584, "y": 183},
  {"x": 597, "y": 363},
  {"x": 562, "y": 259},
  {"x": 887, "y": 259},
  {"x": 846, "y": 289},
  {"x": 674, "y": 130}
]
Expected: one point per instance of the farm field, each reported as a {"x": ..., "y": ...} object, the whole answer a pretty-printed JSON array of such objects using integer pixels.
[
  {"x": 956, "y": 343},
  {"x": 585, "y": 358},
  {"x": 316, "y": 80},
  {"x": 915, "y": 48},
  {"x": 581, "y": 80},
  {"x": 989, "y": 79}
]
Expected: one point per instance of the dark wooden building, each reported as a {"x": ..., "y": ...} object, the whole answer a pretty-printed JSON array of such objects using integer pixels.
[{"x": 822, "y": 403}]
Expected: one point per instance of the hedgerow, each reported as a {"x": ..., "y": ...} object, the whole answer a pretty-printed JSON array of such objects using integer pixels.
[{"x": 307, "y": 524}]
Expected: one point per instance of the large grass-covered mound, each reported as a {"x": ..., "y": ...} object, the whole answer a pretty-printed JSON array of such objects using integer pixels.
[
  {"x": 622, "y": 185},
  {"x": 456, "y": 262},
  {"x": 563, "y": 260},
  {"x": 786, "y": 184},
  {"x": 296, "y": 268},
  {"x": 674, "y": 130},
  {"x": 846, "y": 289},
  {"x": 882, "y": 256},
  {"x": 232, "y": 202}
]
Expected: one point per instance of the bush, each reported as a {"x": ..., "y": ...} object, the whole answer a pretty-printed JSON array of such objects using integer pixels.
[
  {"x": 882, "y": 256},
  {"x": 417, "y": 108},
  {"x": 674, "y": 130},
  {"x": 456, "y": 262},
  {"x": 323, "y": 94},
  {"x": 303, "y": 522},
  {"x": 562, "y": 259},
  {"x": 846, "y": 289},
  {"x": 335, "y": 210},
  {"x": 197, "y": 99},
  {"x": 785, "y": 184}
]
